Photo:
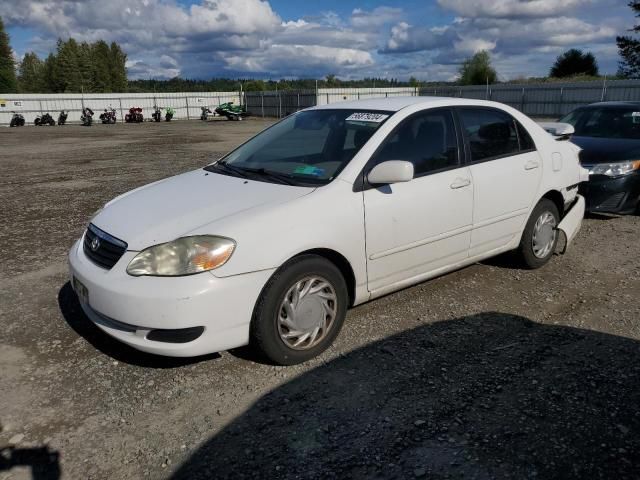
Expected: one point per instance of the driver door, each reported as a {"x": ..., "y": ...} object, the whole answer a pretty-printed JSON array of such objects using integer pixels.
[{"x": 420, "y": 226}]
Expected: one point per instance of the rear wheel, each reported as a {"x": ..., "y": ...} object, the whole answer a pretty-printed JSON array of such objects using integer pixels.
[
  {"x": 540, "y": 235},
  {"x": 300, "y": 311}
]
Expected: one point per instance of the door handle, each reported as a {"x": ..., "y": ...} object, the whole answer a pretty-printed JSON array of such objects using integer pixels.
[
  {"x": 460, "y": 183},
  {"x": 531, "y": 164}
]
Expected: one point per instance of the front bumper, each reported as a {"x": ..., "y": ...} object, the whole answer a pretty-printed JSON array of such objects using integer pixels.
[
  {"x": 128, "y": 308},
  {"x": 572, "y": 221},
  {"x": 612, "y": 195}
]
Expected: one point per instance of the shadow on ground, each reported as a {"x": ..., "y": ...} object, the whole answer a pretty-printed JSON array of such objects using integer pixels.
[
  {"x": 42, "y": 463},
  {"x": 78, "y": 321},
  {"x": 487, "y": 396}
]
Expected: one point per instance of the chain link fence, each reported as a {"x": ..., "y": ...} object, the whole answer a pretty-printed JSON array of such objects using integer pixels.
[
  {"x": 278, "y": 103},
  {"x": 545, "y": 100},
  {"x": 550, "y": 100}
]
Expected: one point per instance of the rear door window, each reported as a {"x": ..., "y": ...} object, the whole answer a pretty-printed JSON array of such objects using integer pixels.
[
  {"x": 490, "y": 133},
  {"x": 526, "y": 142}
]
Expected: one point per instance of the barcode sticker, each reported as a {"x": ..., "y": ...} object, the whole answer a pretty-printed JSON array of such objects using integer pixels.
[{"x": 367, "y": 117}]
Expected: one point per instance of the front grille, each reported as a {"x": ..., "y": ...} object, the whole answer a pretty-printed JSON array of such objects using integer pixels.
[
  {"x": 101, "y": 248},
  {"x": 612, "y": 202}
]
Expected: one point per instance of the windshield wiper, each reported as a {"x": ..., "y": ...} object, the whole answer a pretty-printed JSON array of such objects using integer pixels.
[
  {"x": 230, "y": 168},
  {"x": 245, "y": 172},
  {"x": 280, "y": 177}
]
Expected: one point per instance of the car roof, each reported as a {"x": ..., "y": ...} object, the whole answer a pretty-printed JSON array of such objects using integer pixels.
[
  {"x": 394, "y": 104},
  {"x": 613, "y": 104}
]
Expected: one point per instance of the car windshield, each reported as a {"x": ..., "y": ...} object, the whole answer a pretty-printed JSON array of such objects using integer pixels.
[
  {"x": 606, "y": 122},
  {"x": 307, "y": 148}
]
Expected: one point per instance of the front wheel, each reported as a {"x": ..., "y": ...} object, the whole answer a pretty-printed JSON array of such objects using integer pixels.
[
  {"x": 300, "y": 311},
  {"x": 540, "y": 235}
]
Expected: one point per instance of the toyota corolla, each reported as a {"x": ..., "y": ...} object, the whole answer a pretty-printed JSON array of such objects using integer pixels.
[{"x": 328, "y": 208}]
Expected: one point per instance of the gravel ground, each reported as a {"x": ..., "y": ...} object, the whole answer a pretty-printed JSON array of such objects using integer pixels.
[{"x": 489, "y": 372}]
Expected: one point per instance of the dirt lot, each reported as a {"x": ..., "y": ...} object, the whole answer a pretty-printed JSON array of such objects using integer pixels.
[{"x": 489, "y": 372}]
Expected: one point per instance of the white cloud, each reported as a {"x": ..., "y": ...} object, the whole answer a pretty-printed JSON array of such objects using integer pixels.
[
  {"x": 141, "y": 69},
  {"x": 473, "y": 45},
  {"x": 511, "y": 8},
  {"x": 375, "y": 18},
  {"x": 408, "y": 38},
  {"x": 164, "y": 38},
  {"x": 299, "y": 59}
]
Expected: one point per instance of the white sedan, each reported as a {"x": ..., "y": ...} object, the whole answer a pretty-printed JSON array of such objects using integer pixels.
[{"x": 328, "y": 208}]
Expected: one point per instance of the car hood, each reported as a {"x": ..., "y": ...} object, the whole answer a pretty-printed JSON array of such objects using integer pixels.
[
  {"x": 605, "y": 150},
  {"x": 171, "y": 208}
]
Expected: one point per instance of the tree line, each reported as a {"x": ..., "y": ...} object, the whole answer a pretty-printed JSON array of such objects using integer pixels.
[
  {"x": 257, "y": 85},
  {"x": 75, "y": 67}
]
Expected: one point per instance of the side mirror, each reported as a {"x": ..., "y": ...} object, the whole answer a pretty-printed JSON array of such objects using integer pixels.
[
  {"x": 391, "y": 171},
  {"x": 562, "y": 131}
]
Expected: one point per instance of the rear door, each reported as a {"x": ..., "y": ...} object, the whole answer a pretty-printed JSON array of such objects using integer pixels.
[
  {"x": 425, "y": 224},
  {"x": 506, "y": 171}
]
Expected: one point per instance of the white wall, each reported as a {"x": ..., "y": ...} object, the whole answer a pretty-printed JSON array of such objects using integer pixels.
[
  {"x": 331, "y": 95},
  {"x": 32, "y": 104},
  {"x": 186, "y": 104}
]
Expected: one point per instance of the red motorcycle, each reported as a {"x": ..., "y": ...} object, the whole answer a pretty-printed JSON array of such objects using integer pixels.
[
  {"x": 108, "y": 116},
  {"x": 134, "y": 115}
]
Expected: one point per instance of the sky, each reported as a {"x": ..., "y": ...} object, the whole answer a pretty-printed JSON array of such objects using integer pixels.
[{"x": 351, "y": 39}]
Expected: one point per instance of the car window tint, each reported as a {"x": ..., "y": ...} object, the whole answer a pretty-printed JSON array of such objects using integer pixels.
[
  {"x": 526, "y": 142},
  {"x": 606, "y": 122},
  {"x": 305, "y": 142},
  {"x": 491, "y": 133},
  {"x": 427, "y": 140}
]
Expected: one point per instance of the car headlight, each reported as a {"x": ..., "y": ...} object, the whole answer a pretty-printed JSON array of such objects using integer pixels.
[
  {"x": 184, "y": 256},
  {"x": 615, "y": 169}
]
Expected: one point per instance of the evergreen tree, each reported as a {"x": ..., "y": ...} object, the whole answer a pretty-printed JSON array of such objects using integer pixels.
[
  {"x": 102, "y": 78},
  {"x": 31, "y": 74},
  {"x": 51, "y": 76},
  {"x": 629, "y": 48},
  {"x": 117, "y": 68},
  {"x": 68, "y": 62},
  {"x": 477, "y": 70},
  {"x": 87, "y": 67},
  {"x": 8, "y": 82},
  {"x": 573, "y": 62}
]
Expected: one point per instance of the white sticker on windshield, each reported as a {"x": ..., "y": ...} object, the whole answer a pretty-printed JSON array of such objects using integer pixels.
[{"x": 367, "y": 117}]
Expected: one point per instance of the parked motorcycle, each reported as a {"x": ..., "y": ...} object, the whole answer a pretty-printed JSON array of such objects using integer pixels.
[
  {"x": 44, "y": 119},
  {"x": 108, "y": 116},
  {"x": 157, "y": 114},
  {"x": 62, "y": 117},
  {"x": 169, "y": 114},
  {"x": 17, "y": 120},
  {"x": 134, "y": 115},
  {"x": 205, "y": 113},
  {"x": 231, "y": 111},
  {"x": 87, "y": 117}
]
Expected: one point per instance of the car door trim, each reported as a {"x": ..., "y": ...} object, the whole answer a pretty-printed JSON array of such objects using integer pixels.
[
  {"x": 420, "y": 243},
  {"x": 506, "y": 216}
]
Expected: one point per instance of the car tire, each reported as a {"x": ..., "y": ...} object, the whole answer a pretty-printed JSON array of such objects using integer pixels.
[
  {"x": 538, "y": 244},
  {"x": 324, "y": 306}
]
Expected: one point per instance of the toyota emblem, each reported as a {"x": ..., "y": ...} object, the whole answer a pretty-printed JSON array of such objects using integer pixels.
[{"x": 95, "y": 244}]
